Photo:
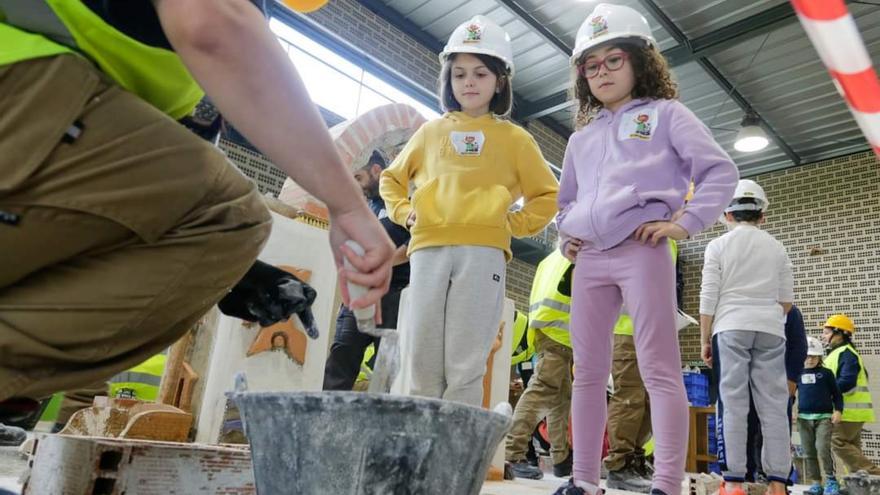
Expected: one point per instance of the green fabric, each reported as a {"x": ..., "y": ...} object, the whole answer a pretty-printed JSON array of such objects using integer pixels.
[
  {"x": 366, "y": 372},
  {"x": 520, "y": 327},
  {"x": 17, "y": 45},
  {"x": 857, "y": 404},
  {"x": 814, "y": 416},
  {"x": 155, "y": 74}
]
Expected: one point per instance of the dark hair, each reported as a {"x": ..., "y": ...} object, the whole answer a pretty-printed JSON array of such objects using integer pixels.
[
  {"x": 500, "y": 104},
  {"x": 751, "y": 216},
  {"x": 376, "y": 159},
  {"x": 652, "y": 80}
]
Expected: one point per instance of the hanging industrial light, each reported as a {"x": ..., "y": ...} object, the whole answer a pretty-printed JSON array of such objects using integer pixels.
[{"x": 751, "y": 137}]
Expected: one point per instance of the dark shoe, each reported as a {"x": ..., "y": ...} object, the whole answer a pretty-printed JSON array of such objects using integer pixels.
[
  {"x": 563, "y": 469},
  {"x": 21, "y": 412},
  {"x": 522, "y": 469},
  {"x": 644, "y": 467},
  {"x": 628, "y": 479},
  {"x": 657, "y": 491},
  {"x": 571, "y": 489},
  {"x": 531, "y": 455},
  {"x": 11, "y": 436}
]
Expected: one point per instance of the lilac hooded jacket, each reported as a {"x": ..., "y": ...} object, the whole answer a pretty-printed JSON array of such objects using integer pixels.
[{"x": 634, "y": 166}]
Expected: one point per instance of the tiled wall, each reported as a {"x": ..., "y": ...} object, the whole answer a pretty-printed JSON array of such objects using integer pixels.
[{"x": 827, "y": 215}]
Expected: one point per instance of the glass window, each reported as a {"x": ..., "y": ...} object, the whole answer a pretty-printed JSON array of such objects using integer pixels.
[{"x": 337, "y": 84}]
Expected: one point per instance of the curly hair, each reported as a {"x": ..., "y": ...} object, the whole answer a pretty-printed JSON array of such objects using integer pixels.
[{"x": 652, "y": 76}]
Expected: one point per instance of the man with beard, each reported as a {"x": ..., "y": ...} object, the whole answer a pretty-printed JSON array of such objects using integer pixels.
[{"x": 349, "y": 344}]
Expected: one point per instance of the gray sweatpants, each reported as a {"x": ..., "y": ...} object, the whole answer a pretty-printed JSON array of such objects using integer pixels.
[
  {"x": 755, "y": 358},
  {"x": 455, "y": 303}
]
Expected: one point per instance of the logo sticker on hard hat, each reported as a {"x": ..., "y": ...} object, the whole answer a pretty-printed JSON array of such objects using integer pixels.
[
  {"x": 468, "y": 143},
  {"x": 600, "y": 26},
  {"x": 474, "y": 33},
  {"x": 639, "y": 124}
]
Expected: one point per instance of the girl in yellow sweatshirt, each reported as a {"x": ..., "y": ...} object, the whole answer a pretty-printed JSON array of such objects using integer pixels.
[{"x": 468, "y": 168}]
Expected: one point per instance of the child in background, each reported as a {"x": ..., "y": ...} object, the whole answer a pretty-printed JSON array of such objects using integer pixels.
[
  {"x": 819, "y": 406},
  {"x": 747, "y": 289},
  {"x": 469, "y": 167},
  {"x": 625, "y": 176}
]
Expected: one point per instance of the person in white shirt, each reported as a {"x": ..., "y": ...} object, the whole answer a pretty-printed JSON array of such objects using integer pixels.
[{"x": 747, "y": 289}]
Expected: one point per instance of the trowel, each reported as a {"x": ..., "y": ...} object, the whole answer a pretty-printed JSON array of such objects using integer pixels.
[{"x": 388, "y": 355}]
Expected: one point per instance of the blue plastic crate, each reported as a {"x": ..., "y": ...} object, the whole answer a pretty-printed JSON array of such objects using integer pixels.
[{"x": 697, "y": 387}]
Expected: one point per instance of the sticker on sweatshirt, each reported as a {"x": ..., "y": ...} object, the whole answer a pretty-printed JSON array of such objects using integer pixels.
[
  {"x": 638, "y": 124},
  {"x": 468, "y": 143},
  {"x": 808, "y": 379}
]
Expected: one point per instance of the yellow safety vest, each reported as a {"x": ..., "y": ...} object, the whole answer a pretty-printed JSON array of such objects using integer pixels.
[
  {"x": 857, "y": 404},
  {"x": 549, "y": 310},
  {"x": 366, "y": 372},
  {"x": 140, "y": 382},
  {"x": 520, "y": 327},
  {"x": 39, "y": 28}
]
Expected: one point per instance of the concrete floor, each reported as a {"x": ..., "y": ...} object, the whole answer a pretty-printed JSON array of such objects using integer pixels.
[{"x": 13, "y": 465}]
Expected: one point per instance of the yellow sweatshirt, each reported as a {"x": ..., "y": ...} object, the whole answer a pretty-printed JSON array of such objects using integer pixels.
[{"x": 467, "y": 173}]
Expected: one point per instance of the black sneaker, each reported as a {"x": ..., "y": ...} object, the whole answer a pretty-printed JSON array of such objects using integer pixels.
[
  {"x": 571, "y": 489},
  {"x": 628, "y": 479},
  {"x": 522, "y": 469},
  {"x": 563, "y": 469},
  {"x": 11, "y": 436},
  {"x": 644, "y": 467}
]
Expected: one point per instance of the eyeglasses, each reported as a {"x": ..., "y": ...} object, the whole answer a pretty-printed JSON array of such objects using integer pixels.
[{"x": 613, "y": 62}]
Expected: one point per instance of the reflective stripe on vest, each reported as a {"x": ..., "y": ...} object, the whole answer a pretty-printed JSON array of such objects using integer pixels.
[
  {"x": 549, "y": 310},
  {"x": 857, "y": 404},
  {"x": 153, "y": 73},
  {"x": 141, "y": 382}
]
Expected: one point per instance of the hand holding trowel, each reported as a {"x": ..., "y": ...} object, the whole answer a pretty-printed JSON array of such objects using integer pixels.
[{"x": 388, "y": 354}]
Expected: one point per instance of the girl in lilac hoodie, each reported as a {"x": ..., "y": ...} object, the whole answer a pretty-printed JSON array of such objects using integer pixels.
[{"x": 624, "y": 178}]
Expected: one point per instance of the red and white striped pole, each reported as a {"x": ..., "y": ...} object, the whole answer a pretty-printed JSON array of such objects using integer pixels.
[{"x": 833, "y": 32}]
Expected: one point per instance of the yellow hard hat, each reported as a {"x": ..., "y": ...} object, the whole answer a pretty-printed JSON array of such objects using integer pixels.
[
  {"x": 305, "y": 6},
  {"x": 841, "y": 322}
]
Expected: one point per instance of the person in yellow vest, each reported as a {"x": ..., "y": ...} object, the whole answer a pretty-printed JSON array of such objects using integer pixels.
[
  {"x": 123, "y": 222},
  {"x": 140, "y": 382},
  {"x": 362, "y": 382},
  {"x": 852, "y": 379},
  {"x": 549, "y": 390},
  {"x": 629, "y": 413}
]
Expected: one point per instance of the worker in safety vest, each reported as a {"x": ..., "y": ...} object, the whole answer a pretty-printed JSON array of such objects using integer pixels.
[
  {"x": 120, "y": 228},
  {"x": 852, "y": 380},
  {"x": 549, "y": 390}
]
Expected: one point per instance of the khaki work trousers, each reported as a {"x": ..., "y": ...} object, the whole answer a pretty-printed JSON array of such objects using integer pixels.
[
  {"x": 846, "y": 444},
  {"x": 629, "y": 411},
  {"x": 548, "y": 394},
  {"x": 115, "y": 240}
]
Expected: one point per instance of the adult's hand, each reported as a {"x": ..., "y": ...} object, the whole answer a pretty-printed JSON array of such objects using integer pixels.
[{"x": 373, "y": 269}]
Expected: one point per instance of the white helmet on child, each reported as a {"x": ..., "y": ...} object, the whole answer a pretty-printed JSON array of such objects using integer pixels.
[
  {"x": 480, "y": 36},
  {"x": 611, "y": 22},
  {"x": 748, "y": 189},
  {"x": 815, "y": 347}
]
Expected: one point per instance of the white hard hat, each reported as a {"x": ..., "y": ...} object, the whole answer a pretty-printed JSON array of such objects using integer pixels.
[
  {"x": 611, "y": 22},
  {"x": 748, "y": 189},
  {"x": 481, "y": 36},
  {"x": 815, "y": 347}
]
